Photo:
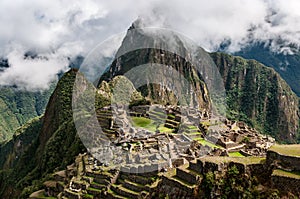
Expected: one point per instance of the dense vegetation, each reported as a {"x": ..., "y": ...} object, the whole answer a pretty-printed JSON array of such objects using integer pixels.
[
  {"x": 234, "y": 184},
  {"x": 16, "y": 165},
  {"x": 17, "y": 107},
  {"x": 286, "y": 65},
  {"x": 258, "y": 96},
  {"x": 43, "y": 145}
]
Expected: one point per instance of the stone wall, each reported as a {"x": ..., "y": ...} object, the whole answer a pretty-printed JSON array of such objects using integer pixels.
[
  {"x": 71, "y": 195},
  {"x": 171, "y": 192},
  {"x": 214, "y": 167},
  {"x": 136, "y": 178},
  {"x": 178, "y": 162},
  {"x": 289, "y": 162},
  {"x": 260, "y": 171},
  {"x": 124, "y": 193},
  {"x": 187, "y": 191},
  {"x": 142, "y": 110},
  {"x": 198, "y": 166},
  {"x": 188, "y": 177},
  {"x": 286, "y": 184}
]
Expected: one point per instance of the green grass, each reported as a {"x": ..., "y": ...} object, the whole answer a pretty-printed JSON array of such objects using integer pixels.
[
  {"x": 93, "y": 189},
  {"x": 192, "y": 127},
  {"x": 279, "y": 172},
  {"x": 88, "y": 196},
  {"x": 242, "y": 160},
  {"x": 235, "y": 154},
  {"x": 194, "y": 133},
  {"x": 126, "y": 190},
  {"x": 148, "y": 124},
  {"x": 165, "y": 129},
  {"x": 142, "y": 122},
  {"x": 290, "y": 149},
  {"x": 207, "y": 143},
  {"x": 235, "y": 128},
  {"x": 171, "y": 116},
  {"x": 205, "y": 123}
]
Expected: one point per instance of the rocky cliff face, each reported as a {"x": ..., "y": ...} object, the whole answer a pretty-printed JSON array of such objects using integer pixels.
[
  {"x": 259, "y": 96},
  {"x": 161, "y": 71}
]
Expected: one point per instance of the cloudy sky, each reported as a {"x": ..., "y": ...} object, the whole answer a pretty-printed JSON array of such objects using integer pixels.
[{"x": 59, "y": 29}]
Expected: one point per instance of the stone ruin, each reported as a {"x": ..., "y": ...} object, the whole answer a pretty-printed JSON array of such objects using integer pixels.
[
  {"x": 89, "y": 178},
  {"x": 138, "y": 162},
  {"x": 131, "y": 147}
]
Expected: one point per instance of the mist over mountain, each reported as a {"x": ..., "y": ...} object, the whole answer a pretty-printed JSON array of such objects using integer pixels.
[{"x": 19, "y": 105}]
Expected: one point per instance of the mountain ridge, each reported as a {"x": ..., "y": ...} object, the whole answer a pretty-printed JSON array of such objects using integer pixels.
[
  {"x": 259, "y": 93},
  {"x": 287, "y": 65}
]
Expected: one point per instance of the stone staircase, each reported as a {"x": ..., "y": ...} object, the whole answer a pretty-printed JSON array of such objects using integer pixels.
[
  {"x": 100, "y": 182},
  {"x": 105, "y": 117},
  {"x": 88, "y": 183},
  {"x": 193, "y": 132},
  {"x": 110, "y": 123},
  {"x": 186, "y": 177},
  {"x": 157, "y": 115},
  {"x": 133, "y": 185},
  {"x": 172, "y": 121}
]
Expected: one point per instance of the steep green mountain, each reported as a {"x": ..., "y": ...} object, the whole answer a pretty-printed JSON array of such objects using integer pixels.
[
  {"x": 17, "y": 107},
  {"x": 46, "y": 143},
  {"x": 258, "y": 95},
  {"x": 42, "y": 145},
  {"x": 287, "y": 65}
]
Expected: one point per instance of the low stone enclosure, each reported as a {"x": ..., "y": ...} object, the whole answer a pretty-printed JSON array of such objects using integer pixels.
[
  {"x": 285, "y": 161},
  {"x": 84, "y": 179}
]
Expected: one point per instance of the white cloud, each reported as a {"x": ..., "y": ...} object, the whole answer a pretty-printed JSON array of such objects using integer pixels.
[
  {"x": 210, "y": 23},
  {"x": 55, "y": 29},
  {"x": 32, "y": 74},
  {"x": 59, "y": 28}
]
